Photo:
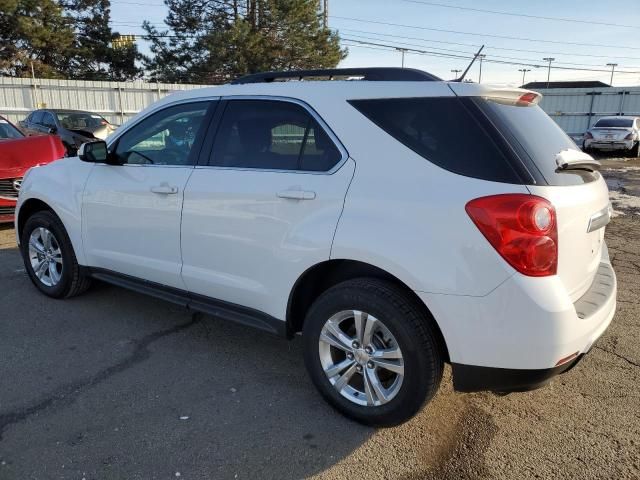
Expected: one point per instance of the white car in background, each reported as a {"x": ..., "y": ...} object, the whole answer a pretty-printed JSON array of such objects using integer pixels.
[
  {"x": 621, "y": 134},
  {"x": 398, "y": 222}
]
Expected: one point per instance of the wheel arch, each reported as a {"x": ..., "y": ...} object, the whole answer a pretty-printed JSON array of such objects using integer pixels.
[
  {"x": 28, "y": 208},
  {"x": 322, "y": 276}
]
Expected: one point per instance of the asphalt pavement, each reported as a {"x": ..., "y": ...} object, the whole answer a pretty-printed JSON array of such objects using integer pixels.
[{"x": 116, "y": 385}]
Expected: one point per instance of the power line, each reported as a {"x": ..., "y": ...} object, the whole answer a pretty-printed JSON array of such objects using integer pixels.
[
  {"x": 472, "y": 45},
  {"x": 470, "y": 56},
  {"x": 524, "y": 15},
  {"x": 504, "y": 37}
]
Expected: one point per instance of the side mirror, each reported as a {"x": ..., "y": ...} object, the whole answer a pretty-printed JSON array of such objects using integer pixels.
[
  {"x": 52, "y": 130},
  {"x": 95, "y": 152}
]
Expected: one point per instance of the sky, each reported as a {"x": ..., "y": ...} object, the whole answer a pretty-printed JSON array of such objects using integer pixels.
[{"x": 592, "y": 34}]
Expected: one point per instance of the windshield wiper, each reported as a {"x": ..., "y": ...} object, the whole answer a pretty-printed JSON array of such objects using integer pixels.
[{"x": 570, "y": 159}]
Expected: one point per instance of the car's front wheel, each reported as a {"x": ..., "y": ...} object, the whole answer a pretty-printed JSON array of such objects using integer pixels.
[
  {"x": 371, "y": 351},
  {"x": 49, "y": 257}
]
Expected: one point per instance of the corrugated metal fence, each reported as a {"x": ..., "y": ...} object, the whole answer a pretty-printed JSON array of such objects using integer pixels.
[
  {"x": 116, "y": 101},
  {"x": 574, "y": 109},
  {"x": 577, "y": 109}
]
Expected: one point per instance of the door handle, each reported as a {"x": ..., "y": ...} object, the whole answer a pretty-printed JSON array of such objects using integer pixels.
[
  {"x": 297, "y": 194},
  {"x": 165, "y": 189}
]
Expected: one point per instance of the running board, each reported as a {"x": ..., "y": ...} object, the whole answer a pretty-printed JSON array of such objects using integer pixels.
[{"x": 199, "y": 303}]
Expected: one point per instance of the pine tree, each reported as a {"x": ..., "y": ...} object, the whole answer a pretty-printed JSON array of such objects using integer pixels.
[
  {"x": 34, "y": 36},
  {"x": 214, "y": 41},
  {"x": 92, "y": 56}
]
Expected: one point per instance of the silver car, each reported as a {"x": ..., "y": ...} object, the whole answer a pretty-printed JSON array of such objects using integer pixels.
[{"x": 614, "y": 133}]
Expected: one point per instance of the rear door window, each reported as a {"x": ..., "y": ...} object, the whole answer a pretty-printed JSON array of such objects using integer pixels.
[
  {"x": 443, "y": 131},
  {"x": 272, "y": 135},
  {"x": 36, "y": 117}
]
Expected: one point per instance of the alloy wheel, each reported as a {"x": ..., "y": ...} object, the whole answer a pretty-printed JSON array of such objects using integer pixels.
[{"x": 45, "y": 256}]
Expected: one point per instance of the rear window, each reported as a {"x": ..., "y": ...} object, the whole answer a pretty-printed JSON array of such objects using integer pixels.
[
  {"x": 537, "y": 140},
  {"x": 614, "y": 122},
  {"x": 443, "y": 131}
]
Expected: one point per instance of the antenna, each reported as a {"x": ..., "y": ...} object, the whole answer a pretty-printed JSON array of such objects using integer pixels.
[{"x": 461, "y": 77}]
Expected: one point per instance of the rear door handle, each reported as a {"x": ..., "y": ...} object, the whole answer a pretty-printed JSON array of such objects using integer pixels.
[
  {"x": 297, "y": 194},
  {"x": 164, "y": 189}
]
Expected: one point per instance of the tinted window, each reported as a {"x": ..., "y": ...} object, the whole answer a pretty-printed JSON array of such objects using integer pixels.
[
  {"x": 614, "y": 122},
  {"x": 443, "y": 131},
  {"x": 538, "y": 137},
  {"x": 48, "y": 120},
  {"x": 36, "y": 117},
  {"x": 8, "y": 131},
  {"x": 164, "y": 138},
  {"x": 272, "y": 135}
]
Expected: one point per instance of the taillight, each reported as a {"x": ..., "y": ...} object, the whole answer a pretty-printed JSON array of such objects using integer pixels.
[
  {"x": 588, "y": 136},
  {"x": 629, "y": 137},
  {"x": 522, "y": 228},
  {"x": 529, "y": 98}
]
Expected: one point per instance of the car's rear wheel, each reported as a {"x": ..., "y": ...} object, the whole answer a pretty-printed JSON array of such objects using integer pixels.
[
  {"x": 635, "y": 150},
  {"x": 371, "y": 351},
  {"x": 49, "y": 257}
]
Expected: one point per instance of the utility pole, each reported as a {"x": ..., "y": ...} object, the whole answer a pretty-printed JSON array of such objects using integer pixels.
[
  {"x": 613, "y": 67},
  {"x": 548, "y": 59},
  {"x": 524, "y": 72},
  {"x": 324, "y": 5},
  {"x": 402, "y": 51},
  {"x": 480, "y": 57},
  {"x": 455, "y": 73}
]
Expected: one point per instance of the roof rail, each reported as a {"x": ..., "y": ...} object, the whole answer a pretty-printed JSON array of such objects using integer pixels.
[{"x": 376, "y": 74}]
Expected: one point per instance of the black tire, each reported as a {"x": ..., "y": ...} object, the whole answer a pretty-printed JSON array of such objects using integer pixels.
[
  {"x": 635, "y": 150},
  {"x": 73, "y": 281},
  {"x": 410, "y": 325}
]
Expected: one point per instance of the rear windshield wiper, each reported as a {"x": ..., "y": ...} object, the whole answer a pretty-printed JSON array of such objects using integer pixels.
[{"x": 570, "y": 159}]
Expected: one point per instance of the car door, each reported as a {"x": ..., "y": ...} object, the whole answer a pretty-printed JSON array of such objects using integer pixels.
[
  {"x": 264, "y": 205},
  {"x": 131, "y": 211}
]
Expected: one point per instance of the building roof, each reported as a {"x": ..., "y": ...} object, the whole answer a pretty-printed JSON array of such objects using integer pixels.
[{"x": 569, "y": 84}]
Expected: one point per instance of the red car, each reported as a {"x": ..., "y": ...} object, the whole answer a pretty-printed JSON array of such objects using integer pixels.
[{"x": 17, "y": 155}]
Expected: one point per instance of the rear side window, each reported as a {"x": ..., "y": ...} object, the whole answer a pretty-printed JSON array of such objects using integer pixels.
[
  {"x": 272, "y": 135},
  {"x": 443, "y": 131},
  {"x": 36, "y": 117}
]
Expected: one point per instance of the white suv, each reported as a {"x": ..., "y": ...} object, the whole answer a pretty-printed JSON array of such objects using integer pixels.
[{"x": 399, "y": 222}]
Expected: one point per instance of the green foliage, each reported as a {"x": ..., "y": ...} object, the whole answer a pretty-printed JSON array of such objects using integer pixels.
[
  {"x": 33, "y": 33},
  {"x": 213, "y": 42},
  {"x": 62, "y": 39}
]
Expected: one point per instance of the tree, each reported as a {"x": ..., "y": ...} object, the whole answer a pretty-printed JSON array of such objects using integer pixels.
[
  {"x": 34, "y": 34},
  {"x": 215, "y": 41},
  {"x": 93, "y": 55}
]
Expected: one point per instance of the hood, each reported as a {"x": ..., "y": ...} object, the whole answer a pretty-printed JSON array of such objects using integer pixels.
[{"x": 18, "y": 155}]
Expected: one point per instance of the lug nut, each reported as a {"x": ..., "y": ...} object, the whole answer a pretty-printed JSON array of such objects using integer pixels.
[
  {"x": 350, "y": 356},
  {"x": 359, "y": 368},
  {"x": 355, "y": 345},
  {"x": 369, "y": 350},
  {"x": 370, "y": 365}
]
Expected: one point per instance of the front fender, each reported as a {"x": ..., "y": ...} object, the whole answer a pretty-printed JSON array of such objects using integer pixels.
[{"x": 60, "y": 185}]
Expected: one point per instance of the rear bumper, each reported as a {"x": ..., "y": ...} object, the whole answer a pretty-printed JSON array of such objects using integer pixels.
[
  {"x": 514, "y": 337},
  {"x": 609, "y": 145},
  {"x": 471, "y": 378}
]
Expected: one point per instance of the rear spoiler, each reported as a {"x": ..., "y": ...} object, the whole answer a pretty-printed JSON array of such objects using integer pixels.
[
  {"x": 570, "y": 159},
  {"x": 517, "y": 97}
]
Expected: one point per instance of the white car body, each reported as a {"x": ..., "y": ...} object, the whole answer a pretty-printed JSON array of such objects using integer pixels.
[
  {"x": 237, "y": 235},
  {"x": 606, "y": 136}
]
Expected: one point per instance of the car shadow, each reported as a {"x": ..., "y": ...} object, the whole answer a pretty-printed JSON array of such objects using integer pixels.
[{"x": 115, "y": 384}]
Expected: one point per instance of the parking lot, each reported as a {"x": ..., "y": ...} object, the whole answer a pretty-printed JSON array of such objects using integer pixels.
[{"x": 113, "y": 384}]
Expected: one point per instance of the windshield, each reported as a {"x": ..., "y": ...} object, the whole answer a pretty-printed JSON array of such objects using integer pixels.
[
  {"x": 8, "y": 131},
  {"x": 614, "y": 122},
  {"x": 80, "y": 120},
  {"x": 536, "y": 136}
]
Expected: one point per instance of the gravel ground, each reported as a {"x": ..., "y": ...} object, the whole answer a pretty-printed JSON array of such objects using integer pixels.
[{"x": 117, "y": 385}]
